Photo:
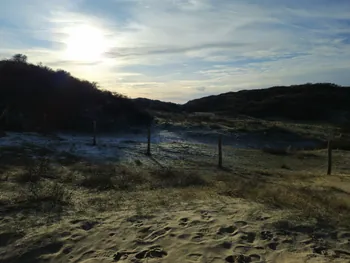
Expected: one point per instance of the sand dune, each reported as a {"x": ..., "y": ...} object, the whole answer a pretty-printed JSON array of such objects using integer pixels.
[
  {"x": 176, "y": 206},
  {"x": 198, "y": 232}
]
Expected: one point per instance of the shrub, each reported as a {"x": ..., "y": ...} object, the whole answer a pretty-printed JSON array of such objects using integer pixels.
[
  {"x": 110, "y": 177},
  {"x": 34, "y": 171},
  {"x": 176, "y": 178},
  {"x": 100, "y": 181},
  {"x": 46, "y": 196},
  {"x": 277, "y": 151}
]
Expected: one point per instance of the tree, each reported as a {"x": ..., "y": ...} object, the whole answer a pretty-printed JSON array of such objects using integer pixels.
[
  {"x": 20, "y": 58},
  {"x": 62, "y": 73}
]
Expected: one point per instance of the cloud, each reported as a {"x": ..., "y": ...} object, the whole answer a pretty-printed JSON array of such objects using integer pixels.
[
  {"x": 200, "y": 88},
  {"x": 183, "y": 49},
  {"x": 130, "y": 52}
]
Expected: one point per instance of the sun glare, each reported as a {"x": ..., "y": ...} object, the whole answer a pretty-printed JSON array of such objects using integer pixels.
[{"x": 85, "y": 43}]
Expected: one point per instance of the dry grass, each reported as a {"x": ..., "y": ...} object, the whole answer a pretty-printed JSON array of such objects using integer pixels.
[
  {"x": 34, "y": 171},
  {"x": 176, "y": 178},
  {"x": 277, "y": 151},
  {"x": 38, "y": 194},
  {"x": 250, "y": 124},
  {"x": 294, "y": 181},
  {"x": 309, "y": 195}
]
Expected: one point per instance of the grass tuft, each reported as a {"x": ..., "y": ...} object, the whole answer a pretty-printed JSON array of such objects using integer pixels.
[
  {"x": 165, "y": 178},
  {"x": 35, "y": 171},
  {"x": 320, "y": 203}
]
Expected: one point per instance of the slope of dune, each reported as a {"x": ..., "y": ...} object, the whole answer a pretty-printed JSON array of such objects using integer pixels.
[{"x": 175, "y": 206}]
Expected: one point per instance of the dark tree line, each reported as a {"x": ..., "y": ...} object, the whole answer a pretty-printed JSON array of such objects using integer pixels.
[{"x": 37, "y": 97}]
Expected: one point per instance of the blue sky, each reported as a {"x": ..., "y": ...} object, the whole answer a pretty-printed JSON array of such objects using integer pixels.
[{"x": 177, "y": 50}]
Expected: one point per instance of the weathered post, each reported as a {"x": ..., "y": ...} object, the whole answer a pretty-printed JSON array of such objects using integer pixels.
[
  {"x": 220, "y": 151},
  {"x": 94, "y": 133},
  {"x": 329, "y": 171},
  {"x": 45, "y": 125},
  {"x": 149, "y": 141}
]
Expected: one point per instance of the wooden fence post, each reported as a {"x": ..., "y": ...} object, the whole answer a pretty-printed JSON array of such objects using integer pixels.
[
  {"x": 329, "y": 171},
  {"x": 94, "y": 133},
  {"x": 149, "y": 141},
  {"x": 45, "y": 125},
  {"x": 220, "y": 151}
]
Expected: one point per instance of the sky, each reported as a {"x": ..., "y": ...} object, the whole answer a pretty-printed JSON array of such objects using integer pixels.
[{"x": 178, "y": 50}]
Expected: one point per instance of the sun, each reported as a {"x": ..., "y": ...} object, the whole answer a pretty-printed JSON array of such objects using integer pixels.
[{"x": 85, "y": 43}]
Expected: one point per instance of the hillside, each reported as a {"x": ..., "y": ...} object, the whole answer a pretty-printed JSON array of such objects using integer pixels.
[
  {"x": 157, "y": 105},
  {"x": 36, "y": 97},
  {"x": 308, "y": 102}
]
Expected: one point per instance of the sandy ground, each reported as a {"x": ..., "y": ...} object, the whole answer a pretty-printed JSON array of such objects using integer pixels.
[
  {"x": 185, "y": 228},
  {"x": 169, "y": 143},
  {"x": 233, "y": 231}
]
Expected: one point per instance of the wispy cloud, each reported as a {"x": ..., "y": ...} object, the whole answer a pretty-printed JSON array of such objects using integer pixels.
[{"x": 182, "y": 49}]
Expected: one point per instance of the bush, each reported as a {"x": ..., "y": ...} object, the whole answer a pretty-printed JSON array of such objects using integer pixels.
[
  {"x": 100, "y": 181},
  {"x": 48, "y": 195},
  {"x": 110, "y": 177},
  {"x": 34, "y": 171},
  {"x": 277, "y": 151},
  {"x": 122, "y": 178},
  {"x": 176, "y": 178}
]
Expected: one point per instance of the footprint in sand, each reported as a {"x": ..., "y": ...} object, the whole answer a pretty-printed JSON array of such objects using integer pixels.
[
  {"x": 226, "y": 245},
  {"x": 32, "y": 254},
  {"x": 194, "y": 257},
  {"x": 198, "y": 237},
  {"x": 205, "y": 215},
  {"x": 322, "y": 250},
  {"x": 157, "y": 234},
  {"x": 255, "y": 257},
  {"x": 76, "y": 237},
  {"x": 226, "y": 230},
  {"x": 238, "y": 259},
  {"x": 204, "y": 230},
  {"x": 87, "y": 255},
  {"x": 144, "y": 231},
  {"x": 242, "y": 249},
  {"x": 138, "y": 219},
  {"x": 262, "y": 218},
  {"x": 67, "y": 250},
  {"x": 266, "y": 235},
  {"x": 240, "y": 224},
  {"x": 122, "y": 255},
  {"x": 86, "y": 225},
  {"x": 272, "y": 245},
  {"x": 183, "y": 221},
  {"x": 249, "y": 237},
  {"x": 153, "y": 252},
  {"x": 184, "y": 236},
  {"x": 253, "y": 252},
  {"x": 287, "y": 242},
  {"x": 194, "y": 223},
  {"x": 76, "y": 221}
]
